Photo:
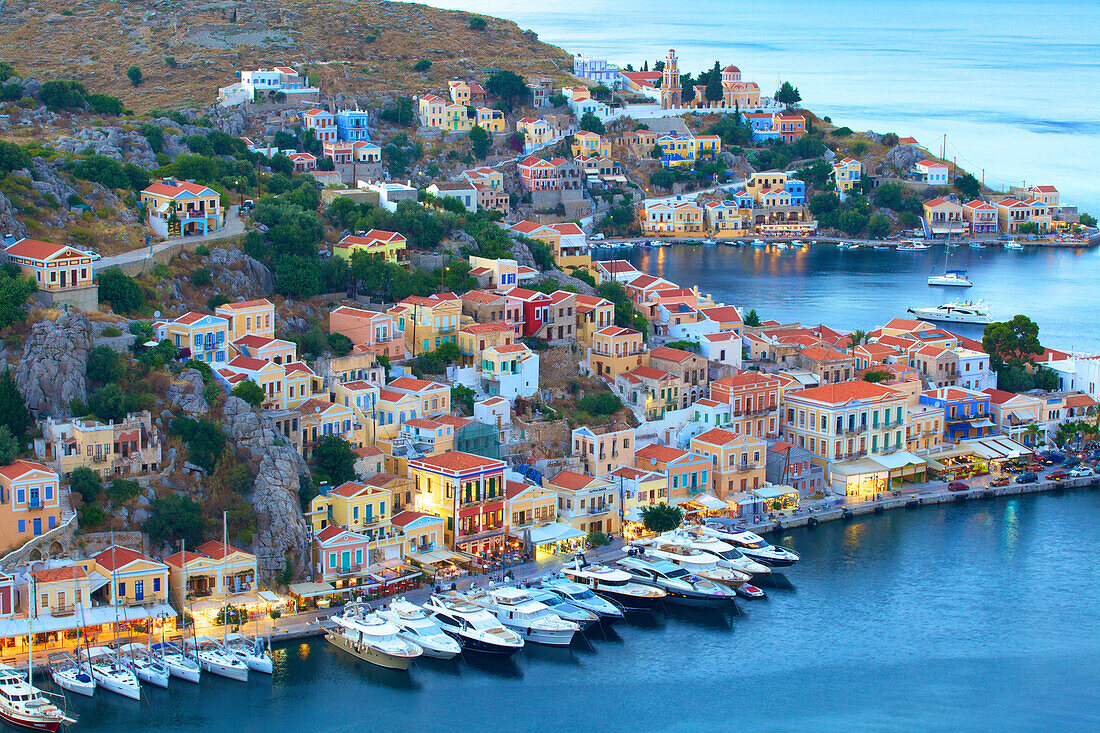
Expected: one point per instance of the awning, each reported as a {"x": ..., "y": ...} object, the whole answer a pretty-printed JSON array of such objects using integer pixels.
[
  {"x": 270, "y": 597},
  {"x": 901, "y": 459},
  {"x": 95, "y": 616},
  {"x": 555, "y": 532},
  {"x": 436, "y": 557},
  {"x": 312, "y": 590},
  {"x": 767, "y": 493},
  {"x": 634, "y": 514},
  {"x": 997, "y": 447},
  {"x": 985, "y": 422},
  {"x": 205, "y": 604},
  {"x": 710, "y": 502}
]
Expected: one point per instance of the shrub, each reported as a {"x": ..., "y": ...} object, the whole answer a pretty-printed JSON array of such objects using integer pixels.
[
  {"x": 250, "y": 392},
  {"x": 62, "y": 94},
  {"x": 120, "y": 290},
  {"x": 339, "y": 343},
  {"x": 105, "y": 104},
  {"x": 111, "y": 332},
  {"x": 134, "y": 74},
  {"x": 170, "y": 61},
  {"x": 175, "y": 518},
  {"x": 422, "y": 65},
  {"x": 477, "y": 23},
  {"x": 205, "y": 441},
  {"x": 603, "y": 403},
  {"x": 123, "y": 491},
  {"x": 202, "y": 250},
  {"x": 92, "y": 515},
  {"x": 104, "y": 364},
  {"x": 201, "y": 277},
  {"x": 87, "y": 483}
]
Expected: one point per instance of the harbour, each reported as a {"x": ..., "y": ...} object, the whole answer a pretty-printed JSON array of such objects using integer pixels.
[{"x": 822, "y": 636}]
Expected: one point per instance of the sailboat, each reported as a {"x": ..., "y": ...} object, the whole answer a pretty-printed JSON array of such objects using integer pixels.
[
  {"x": 949, "y": 278},
  {"x": 73, "y": 673}
]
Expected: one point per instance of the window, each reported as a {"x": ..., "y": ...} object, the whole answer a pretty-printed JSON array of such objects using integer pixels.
[
  {"x": 156, "y": 585},
  {"x": 122, "y": 589}
]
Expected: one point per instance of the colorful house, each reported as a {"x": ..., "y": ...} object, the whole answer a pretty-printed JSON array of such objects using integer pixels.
[
  {"x": 56, "y": 268},
  {"x": 688, "y": 472},
  {"x": 132, "y": 578},
  {"x": 341, "y": 152},
  {"x": 932, "y": 172},
  {"x": 737, "y": 461},
  {"x": 965, "y": 411},
  {"x": 30, "y": 502},
  {"x": 1011, "y": 213},
  {"x": 248, "y": 318},
  {"x": 390, "y": 246},
  {"x": 429, "y": 322},
  {"x": 586, "y": 144},
  {"x": 467, "y": 491},
  {"x": 586, "y": 503},
  {"x": 536, "y": 132},
  {"x": 680, "y": 218},
  {"x": 323, "y": 124},
  {"x": 944, "y": 217},
  {"x": 845, "y": 420},
  {"x": 430, "y": 109},
  {"x": 421, "y": 532},
  {"x": 846, "y": 174},
  {"x": 371, "y": 331},
  {"x": 616, "y": 350},
  {"x": 182, "y": 208},
  {"x": 982, "y": 217},
  {"x": 351, "y": 125},
  {"x": 199, "y": 336}
]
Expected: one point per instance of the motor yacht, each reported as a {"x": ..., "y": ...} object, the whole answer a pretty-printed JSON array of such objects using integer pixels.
[
  {"x": 843, "y": 245},
  {"x": 615, "y": 584},
  {"x": 113, "y": 674},
  {"x": 696, "y": 562},
  {"x": 369, "y": 637},
  {"x": 681, "y": 587},
  {"x": 977, "y": 245},
  {"x": 912, "y": 246},
  {"x": 25, "y": 706},
  {"x": 251, "y": 651},
  {"x": 415, "y": 625},
  {"x": 727, "y": 555},
  {"x": 1013, "y": 245},
  {"x": 753, "y": 546},
  {"x": 781, "y": 246},
  {"x": 957, "y": 311},
  {"x": 71, "y": 674},
  {"x": 583, "y": 598},
  {"x": 472, "y": 626},
  {"x": 796, "y": 244},
  {"x": 564, "y": 608},
  {"x": 531, "y": 619},
  {"x": 179, "y": 664},
  {"x": 213, "y": 658},
  {"x": 759, "y": 243},
  {"x": 148, "y": 668}
]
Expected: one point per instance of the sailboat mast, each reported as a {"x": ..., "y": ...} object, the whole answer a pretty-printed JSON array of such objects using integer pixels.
[
  {"x": 30, "y": 629},
  {"x": 221, "y": 572}
]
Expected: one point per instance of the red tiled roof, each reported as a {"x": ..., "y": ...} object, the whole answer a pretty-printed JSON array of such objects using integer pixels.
[
  {"x": 481, "y": 296},
  {"x": 242, "y": 304},
  {"x": 161, "y": 188},
  {"x": 571, "y": 480},
  {"x": 116, "y": 557},
  {"x": 15, "y": 469},
  {"x": 329, "y": 532},
  {"x": 177, "y": 559},
  {"x": 50, "y": 575},
  {"x": 454, "y": 421},
  {"x": 717, "y": 436},
  {"x": 413, "y": 385},
  {"x": 645, "y": 372},
  {"x": 367, "y": 451},
  {"x": 484, "y": 328},
  {"x": 459, "y": 461},
  {"x": 216, "y": 549},
  {"x": 660, "y": 453},
  {"x": 843, "y": 392},
  {"x": 722, "y": 314},
  {"x": 407, "y": 517},
  {"x": 35, "y": 249},
  {"x": 665, "y": 352}
]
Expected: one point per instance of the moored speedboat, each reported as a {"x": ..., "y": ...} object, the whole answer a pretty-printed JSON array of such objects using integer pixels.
[
  {"x": 563, "y": 608},
  {"x": 616, "y": 585},
  {"x": 531, "y": 619},
  {"x": 751, "y": 591},
  {"x": 583, "y": 598},
  {"x": 370, "y": 637},
  {"x": 681, "y": 587},
  {"x": 415, "y": 625},
  {"x": 696, "y": 562},
  {"x": 759, "y": 243},
  {"x": 781, "y": 245},
  {"x": 212, "y": 658},
  {"x": 753, "y": 546},
  {"x": 473, "y": 627},
  {"x": 250, "y": 651},
  {"x": 25, "y": 706},
  {"x": 1013, "y": 245},
  {"x": 113, "y": 674},
  {"x": 71, "y": 674}
]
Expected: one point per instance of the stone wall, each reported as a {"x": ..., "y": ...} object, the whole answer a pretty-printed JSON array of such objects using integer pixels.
[{"x": 86, "y": 298}]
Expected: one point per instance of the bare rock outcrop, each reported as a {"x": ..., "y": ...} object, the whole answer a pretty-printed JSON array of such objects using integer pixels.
[
  {"x": 51, "y": 372},
  {"x": 186, "y": 393},
  {"x": 282, "y": 532},
  {"x": 904, "y": 157}
]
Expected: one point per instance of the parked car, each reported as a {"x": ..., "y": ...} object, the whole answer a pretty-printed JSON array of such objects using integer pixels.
[
  {"x": 1071, "y": 463},
  {"x": 957, "y": 486},
  {"x": 596, "y": 237},
  {"x": 1027, "y": 478},
  {"x": 1081, "y": 472},
  {"x": 1002, "y": 481},
  {"x": 1058, "y": 475}
]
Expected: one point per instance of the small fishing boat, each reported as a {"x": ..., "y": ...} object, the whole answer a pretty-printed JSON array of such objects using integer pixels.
[
  {"x": 751, "y": 591},
  {"x": 1013, "y": 245}
]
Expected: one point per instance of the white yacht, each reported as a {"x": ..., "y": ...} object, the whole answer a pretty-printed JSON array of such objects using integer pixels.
[
  {"x": 413, "y": 624},
  {"x": 179, "y": 664},
  {"x": 681, "y": 587},
  {"x": 796, "y": 244},
  {"x": 696, "y": 562},
  {"x": 781, "y": 245},
  {"x": 531, "y": 619},
  {"x": 615, "y": 585},
  {"x": 25, "y": 706},
  {"x": 951, "y": 278},
  {"x": 250, "y": 651},
  {"x": 1013, "y": 244},
  {"x": 564, "y": 608},
  {"x": 148, "y": 668},
  {"x": 843, "y": 245},
  {"x": 583, "y": 598},
  {"x": 214, "y": 659},
  {"x": 368, "y": 636},
  {"x": 957, "y": 311},
  {"x": 113, "y": 674},
  {"x": 476, "y": 629},
  {"x": 726, "y": 554},
  {"x": 72, "y": 674},
  {"x": 759, "y": 243},
  {"x": 753, "y": 546}
]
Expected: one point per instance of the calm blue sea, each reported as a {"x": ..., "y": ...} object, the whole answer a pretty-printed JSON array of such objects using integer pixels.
[{"x": 1011, "y": 84}]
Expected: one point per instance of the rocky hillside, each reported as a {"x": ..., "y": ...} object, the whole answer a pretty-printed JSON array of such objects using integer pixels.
[{"x": 187, "y": 50}]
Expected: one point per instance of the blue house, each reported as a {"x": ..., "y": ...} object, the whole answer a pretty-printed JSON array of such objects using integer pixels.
[
  {"x": 351, "y": 125},
  {"x": 965, "y": 411},
  {"x": 797, "y": 191}
]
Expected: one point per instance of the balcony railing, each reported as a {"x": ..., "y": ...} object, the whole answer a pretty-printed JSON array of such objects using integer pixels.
[
  {"x": 481, "y": 534},
  {"x": 66, "y": 609},
  {"x": 600, "y": 509},
  {"x": 135, "y": 601},
  {"x": 348, "y": 569}
]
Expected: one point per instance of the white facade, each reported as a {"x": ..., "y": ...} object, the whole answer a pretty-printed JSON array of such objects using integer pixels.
[
  {"x": 1078, "y": 373},
  {"x": 974, "y": 370}
]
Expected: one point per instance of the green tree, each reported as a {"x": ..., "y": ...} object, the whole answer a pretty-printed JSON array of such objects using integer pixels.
[
  {"x": 477, "y": 23},
  {"x": 108, "y": 403},
  {"x": 104, "y": 365},
  {"x": 1012, "y": 342},
  {"x": 92, "y": 516},
  {"x": 105, "y": 104},
  {"x": 339, "y": 344},
  {"x": 852, "y": 222},
  {"x": 507, "y": 85},
  {"x": 120, "y": 290},
  {"x": 1087, "y": 220},
  {"x": 752, "y": 318},
  {"x": 298, "y": 277},
  {"x": 334, "y": 460},
  {"x": 687, "y": 88},
  {"x": 422, "y": 65},
  {"x": 175, "y": 518},
  {"x": 878, "y": 226},
  {"x": 464, "y": 396},
  {"x": 62, "y": 94},
  {"x": 1028, "y": 227},
  {"x": 856, "y": 338},
  {"x": 15, "y": 290},
  {"x": 480, "y": 140},
  {"x": 968, "y": 186},
  {"x": 662, "y": 517},
  {"x": 713, "y": 91},
  {"x": 591, "y": 123},
  {"x": 205, "y": 441},
  {"x": 599, "y": 404},
  {"x": 134, "y": 74},
  {"x": 9, "y": 446},
  {"x": 13, "y": 157},
  {"x": 154, "y": 135},
  {"x": 788, "y": 94},
  {"x": 876, "y": 375},
  {"x": 86, "y": 482},
  {"x": 13, "y": 410},
  {"x": 200, "y": 277},
  {"x": 250, "y": 392}
]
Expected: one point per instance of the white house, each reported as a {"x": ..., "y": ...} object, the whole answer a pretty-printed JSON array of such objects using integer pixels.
[
  {"x": 266, "y": 82},
  {"x": 932, "y": 173},
  {"x": 462, "y": 190}
]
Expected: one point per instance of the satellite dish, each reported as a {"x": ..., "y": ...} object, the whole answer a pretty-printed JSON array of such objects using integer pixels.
[{"x": 156, "y": 314}]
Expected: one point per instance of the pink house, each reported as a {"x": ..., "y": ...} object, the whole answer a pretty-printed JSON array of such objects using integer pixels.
[{"x": 369, "y": 331}]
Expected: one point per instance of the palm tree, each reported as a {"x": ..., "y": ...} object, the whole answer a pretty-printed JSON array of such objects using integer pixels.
[
  {"x": 1032, "y": 431},
  {"x": 857, "y": 337}
]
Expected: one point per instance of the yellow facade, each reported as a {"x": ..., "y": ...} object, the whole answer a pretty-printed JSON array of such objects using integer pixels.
[
  {"x": 616, "y": 350},
  {"x": 353, "y": 506},
  {"x": 536, "y": 133},
  {"x": 390, "y": 246},
  {"x": 590, "y": 143},
  {"x": 249, "y": 318},
  {"x": 30, "y": 502},
  {"x": 428, "y": 323},
  {"x": 492, "y": 120}
]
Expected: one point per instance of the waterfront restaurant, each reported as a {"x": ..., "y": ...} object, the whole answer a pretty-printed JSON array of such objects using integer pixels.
[
  {"x": 959, "y": 463},
  {"x": 861, "y": 479},
  {"x": 785, "y": 496}
]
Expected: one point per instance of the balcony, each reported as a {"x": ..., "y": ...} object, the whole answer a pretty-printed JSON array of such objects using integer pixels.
[
  {"x": 132, "y": 601},
  {"x": 600, "y": 509},
  {"x": 99, "y": 458},
  {"x": 481, "y": 534},
  {"x": 347, "y": 569},
  {"x": 755, "y": 412},
  {"x": 66, "y": 609}
]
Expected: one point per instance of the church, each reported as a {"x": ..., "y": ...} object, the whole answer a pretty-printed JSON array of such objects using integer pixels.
[{"x": 736, "y": 94}]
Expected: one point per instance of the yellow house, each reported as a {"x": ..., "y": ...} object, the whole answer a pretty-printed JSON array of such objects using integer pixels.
[
  {"x": 475, "y": 338},
  {"x": 351, "y": 505},
  {"x": 679, "y": 218},
  {"x": 201, "y": 335},
  {"x": 249, "y": 318},
  {"x": 491, "y": 120},
  {"x": 593, "y": 314},
  {"x": 30, "y": 502},
  {"x": 416, "y": 438},
  {"x": 590, "y": 143},
  {"x": 319, "y": 419},
  {"x": 536, "y": 132},
  {"x": 586, "y": 503},
  {"x": 430, "y": 110},
  {"x": 133, "y": 579},
  {"x": 389, "y": 245},
  {"x": 421, "y": 532},
  {"x": 846, "y": 174},
  {"x": 58, "y": 591},
  {"x": 267, "y": 375},
  {"x": 429, "y": 322},
  {"x": 616, "y": 350},
  {"x": 640, "y": 489},
  {"x": 707, "y": 146},
  {"x": 456, "y": 118},
  {"x": 212, "y": 569},
  {"x": 737, "y": 461},
  {"x": 529, "y": 505},
  {"x": 393, "y": 409},
  {"x": 54, "y": 267},
  {"x": 459, "y": 90}
]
